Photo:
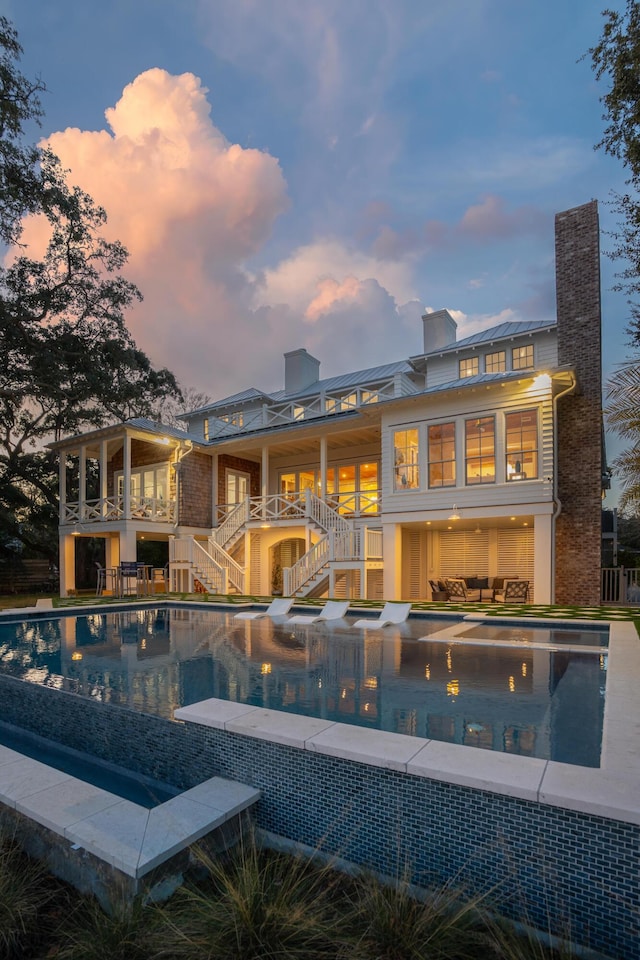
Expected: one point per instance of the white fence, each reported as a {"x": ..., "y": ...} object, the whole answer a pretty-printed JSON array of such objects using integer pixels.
[{"x": 620, "y": 585}]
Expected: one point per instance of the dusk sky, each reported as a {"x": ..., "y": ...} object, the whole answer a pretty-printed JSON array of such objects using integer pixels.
[{"x": 314, "y": 173}]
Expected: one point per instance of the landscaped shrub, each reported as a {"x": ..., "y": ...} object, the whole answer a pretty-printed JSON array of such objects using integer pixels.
[
  {"x": 32, "y": 903},
  {"x": 394, "y": 923},
  {"x": 258, "y": 905},
  {"x": 129, "y": 931}
]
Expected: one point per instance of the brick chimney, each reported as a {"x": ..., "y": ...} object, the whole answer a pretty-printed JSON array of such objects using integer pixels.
[{"x": 579, "y": 440}]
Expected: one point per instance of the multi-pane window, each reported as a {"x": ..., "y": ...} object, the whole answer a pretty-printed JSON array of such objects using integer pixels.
[
  {"x": 495, "y": 362},
  {"x": 469, "y": 367},
  {"x": 405, "y": 459},
  {"x": 480, "y": 450},
  {"x": 522, "y": 357},
  {"x": 442, "y": 455},
  {"x": 521, "y": 444},
  {"x": 205, "y": 428}
]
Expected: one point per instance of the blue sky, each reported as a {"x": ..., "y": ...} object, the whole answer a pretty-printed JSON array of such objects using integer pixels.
[{"x": 313, "y": 173}]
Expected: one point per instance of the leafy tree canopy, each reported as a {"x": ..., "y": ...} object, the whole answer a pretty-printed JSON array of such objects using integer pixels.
[
  {"x": 68, "y": 360},
  {"x": 616, "y": 61}
]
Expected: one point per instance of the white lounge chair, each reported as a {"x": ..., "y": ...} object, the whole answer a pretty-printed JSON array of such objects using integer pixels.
[
  {"x": 277, "y": 608},
  {"x": 391, "y": 613},
  {"x": 332, "y": 610}
]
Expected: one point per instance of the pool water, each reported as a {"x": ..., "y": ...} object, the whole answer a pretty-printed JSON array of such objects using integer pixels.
[
  {"x": 512, "y": 698},
  {"x": 107, "y": 776}
]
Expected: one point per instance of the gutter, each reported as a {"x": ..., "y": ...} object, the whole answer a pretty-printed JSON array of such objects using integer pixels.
[{"x": 558, "y": 504}]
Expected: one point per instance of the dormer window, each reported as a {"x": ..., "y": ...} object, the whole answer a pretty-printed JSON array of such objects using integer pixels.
[
  {"x": 495, "y": 362},
  {"x": 522, "y": 357},
  {"x": 469, "y": 367}
]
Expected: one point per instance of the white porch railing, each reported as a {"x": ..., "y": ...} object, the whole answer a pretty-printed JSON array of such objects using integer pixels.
[
  {"x": 187, "y": 550},
  {"x": 373, "y": 545},
  {"x": 322, "y": 405},
  {"x": 235, "y": 573},
  {"x": 324, "y": 515},
  {"x": 112, "y": 508},
  {"x": 289, "y": 506}
]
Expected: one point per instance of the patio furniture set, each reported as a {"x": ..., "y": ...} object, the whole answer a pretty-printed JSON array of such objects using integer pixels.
[
  {"x": 130, "y": 577},
  {"x": 480, "y": 589}
]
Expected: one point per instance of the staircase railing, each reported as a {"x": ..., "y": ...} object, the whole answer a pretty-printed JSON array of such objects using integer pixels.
[
  {"x": 325, "y": 516},
  {"x": 235, "y": 573},
  {"x": 335, "y": 545},
  {"x": 307, "y": 566},
  {"x": 236, "y": 519},
  {"x": 204, "y": 567}
]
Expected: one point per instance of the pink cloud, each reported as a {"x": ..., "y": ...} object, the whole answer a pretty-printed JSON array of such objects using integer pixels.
[
  {"x": 491, "y": 218},
  {"x": 193, "y": 210}
]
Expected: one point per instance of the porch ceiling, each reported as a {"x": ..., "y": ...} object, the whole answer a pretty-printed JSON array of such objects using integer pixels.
[
  {"x": 304, "y": 444},
  {"x": 471, "y": 525}
]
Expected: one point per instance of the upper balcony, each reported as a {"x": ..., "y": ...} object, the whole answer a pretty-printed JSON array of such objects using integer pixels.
[
  {"x": 322, "y": 404},
  {"x": 292, "y": 506},
  {"x": 104, "y": 509}
]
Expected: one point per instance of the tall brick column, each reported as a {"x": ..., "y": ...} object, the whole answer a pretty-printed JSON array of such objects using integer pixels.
[{"x": 578, "y": 534}]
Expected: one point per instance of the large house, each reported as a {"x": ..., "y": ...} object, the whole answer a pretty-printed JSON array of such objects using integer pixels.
[{"x": 479, "y": 457}]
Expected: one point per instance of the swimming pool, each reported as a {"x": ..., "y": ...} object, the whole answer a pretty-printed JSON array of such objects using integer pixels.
[{"x": 532, "y": 702}]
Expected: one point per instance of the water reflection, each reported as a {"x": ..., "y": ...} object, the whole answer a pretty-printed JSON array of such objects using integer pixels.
[{"x": 533, "y": 702}]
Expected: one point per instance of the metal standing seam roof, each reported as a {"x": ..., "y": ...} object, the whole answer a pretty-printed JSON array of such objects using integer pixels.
[
  {"x": 480, "y": 378},
  {"x": 512, "y": 328},
  {"x": 345, "y": 380},
  {"x": 245, "y": 396},
  {"x": 137, "y": 423},
  {"x": 373, "y": 374}
]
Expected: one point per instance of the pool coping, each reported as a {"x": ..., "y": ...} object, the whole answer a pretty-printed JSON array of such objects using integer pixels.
[
  {"x": 129, "y": 837},
  {"x": 611, "y": 790}
]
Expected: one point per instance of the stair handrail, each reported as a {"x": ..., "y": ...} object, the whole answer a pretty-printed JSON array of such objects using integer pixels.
[
  {"x": 334, "y": 545},
  {"x": 235, "y": 573},
  {"x": 324, "y": 515},
  {"x": 309, "y": 563},
  {"x": 188, "y": 550},
  {"x": 232, "y": 523}
]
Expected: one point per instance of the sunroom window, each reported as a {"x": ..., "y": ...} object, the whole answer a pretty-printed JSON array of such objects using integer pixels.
[
  {"x": 521, "y": 443},
  {"x": 480, "y": 450},
  {"x": 442, "y": 455},
  {"x": 406, "y": 474}
]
